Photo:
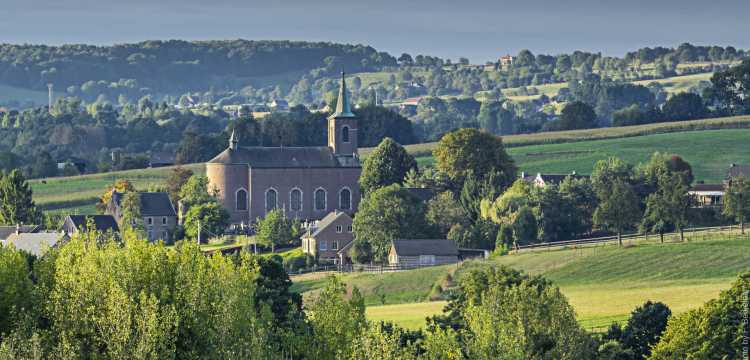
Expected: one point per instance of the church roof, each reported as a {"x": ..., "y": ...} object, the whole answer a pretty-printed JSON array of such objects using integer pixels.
[{"x": 280, "y": 157}]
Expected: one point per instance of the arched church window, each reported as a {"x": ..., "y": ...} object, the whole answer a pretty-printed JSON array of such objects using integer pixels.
[
  {"x": 295, "y": 200},
  {"x": 320, "y": 199},
  {"x": 271, "y": 199},
  {"x": 345, "y": 199},
  {"x": 345, "y": 134},
  {"x": 241, "y": 200}
]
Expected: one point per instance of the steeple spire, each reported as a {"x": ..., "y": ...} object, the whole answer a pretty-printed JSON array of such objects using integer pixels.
[
  {"x": 342, "y": 105},
  {"x": 233, "y": 141}
]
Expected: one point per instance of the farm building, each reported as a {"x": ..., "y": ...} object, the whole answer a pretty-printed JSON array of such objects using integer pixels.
[{"x": 422, "y": 252}]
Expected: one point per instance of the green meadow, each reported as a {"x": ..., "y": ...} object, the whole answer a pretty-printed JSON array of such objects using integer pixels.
[{"x": 603, "y": 283}]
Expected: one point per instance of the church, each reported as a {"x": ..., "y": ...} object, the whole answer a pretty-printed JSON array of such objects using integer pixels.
[{"x": 307, "y": 183}]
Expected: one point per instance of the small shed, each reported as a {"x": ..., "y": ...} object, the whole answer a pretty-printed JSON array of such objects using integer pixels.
[{"x": 423, "y": 252}]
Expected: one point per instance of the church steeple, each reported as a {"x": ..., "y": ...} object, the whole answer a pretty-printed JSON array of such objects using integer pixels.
[
  {"x": 233, "y": 141},
  {"x": 342, "y": 125},
  {"x": 342, "y": 105}
]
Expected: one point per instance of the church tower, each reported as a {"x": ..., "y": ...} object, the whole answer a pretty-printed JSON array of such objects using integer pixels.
[{"x": 342, "y": 125}]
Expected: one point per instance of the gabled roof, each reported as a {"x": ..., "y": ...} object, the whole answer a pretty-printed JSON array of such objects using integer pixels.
[
  {"x": 152, "y": 203},
  {"x": 280, "y": 157},
  {"x": 739, "y": 170},
  {"x": 6, "y": 231},
  {"x": 327, "y": 220},
  {"x": 416, "y": 247},
  {"x": 35, "y": 243},
  {"x": 156, "y": 204},
  {"x": 555, "y": 179},
  {"x": 102, "y": 223}
]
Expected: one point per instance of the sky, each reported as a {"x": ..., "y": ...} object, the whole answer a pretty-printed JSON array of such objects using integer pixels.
[{"x": 480, "y": 30}]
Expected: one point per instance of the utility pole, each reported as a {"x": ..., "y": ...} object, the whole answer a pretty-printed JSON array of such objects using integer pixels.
[{"x": 199, "y": 233}]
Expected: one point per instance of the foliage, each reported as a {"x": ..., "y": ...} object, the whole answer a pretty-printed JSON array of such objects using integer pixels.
[
  {"x": 684, "y": 106},
  {"x": 577, "y": 115},
  {"x": 121, "y": 186},
  {"x": 131, "y": 211},
  {"x": 336, "y": 321},
  {"x": 644, "y": 328},
  {"x": 274, "y": 229},
  {"x": 387, "y": 214},
  {"x": 91, "y": 303},
  {"x": 177, "y": 178},
  {"x": 461, "y": 151},
  {"x": 16, "y": 203},
  {"x": 205, "y": 220},
  {"x": 387, "y": 164},
  {"x": 714, "y": 331},
  {"x": 668, "y": 206},
  {"x": 16, "y": 286},
  {"x": 737, "y": 200},
  {"x": 618, "y": 209},
  {"x": 730, "y": 90},
  {"x": 195, "y": 191},
  {"x": 443, "y": 212}
]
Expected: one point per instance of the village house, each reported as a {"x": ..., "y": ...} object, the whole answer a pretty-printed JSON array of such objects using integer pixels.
[
  {"x": 506, "y": 60},
  {"x": 158, "y": 215},
  {"x": 543, "y": 180},
  {"x": 74, "y": 224},
  {"x": 325, "y": 238},
  {"x": 422, "y": 252},
  {"x": 306, "y": 183},
  {"x": 712, "y": 195}
]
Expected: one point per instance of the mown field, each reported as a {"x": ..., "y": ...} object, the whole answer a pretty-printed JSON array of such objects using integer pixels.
[
  {"x": 709, "y": 151},
  {"x": 603, "y": 283}
]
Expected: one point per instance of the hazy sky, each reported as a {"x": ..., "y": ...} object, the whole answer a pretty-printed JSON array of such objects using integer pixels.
[{"x": 478, "y": 29}]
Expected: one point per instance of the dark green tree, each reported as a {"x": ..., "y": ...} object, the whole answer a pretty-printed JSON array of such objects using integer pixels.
[
  {"x": 737, "y": 201},
  {"x": 386, "y": 165},
  {"x": 16, "y": 201},
  {"x": 685, "y": 106},
  {"x": 619, "y": 208},
  {"x": 577, "y": 115},
  {"x": 644, "y": 328},
  {"x": 482, "y": 153}
]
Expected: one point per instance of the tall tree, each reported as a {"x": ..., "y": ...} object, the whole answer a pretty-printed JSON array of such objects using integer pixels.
[
  {"x": 178, "y": 177},
  {"x": 387, "y": 164},
  {"x": 461, "y": 151},
  {"x": 274, "y": 229},
  {"x": 16, "y": 202},
  {"x": 668, "y": 206},
  {"x": 618, "y": 208},
  {"x": 577, "y": 115},
  {"x": 737, "y": 201}
]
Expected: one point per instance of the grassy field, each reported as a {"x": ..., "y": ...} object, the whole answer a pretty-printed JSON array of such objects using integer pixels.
[
  {"x": 603, "y": 283},
  {"x": 79, "y": 194}
]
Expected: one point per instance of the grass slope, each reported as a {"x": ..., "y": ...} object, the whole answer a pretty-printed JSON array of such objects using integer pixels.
[
  {"x": 79, "y": 194},
  {"x": 603, "y": 283}
]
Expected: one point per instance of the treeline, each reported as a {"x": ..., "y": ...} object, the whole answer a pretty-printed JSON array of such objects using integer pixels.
[
  {"x": 481, "y": 202},
  {"x": 106, "y": 138},
  {"x": 100, "y": 296}
]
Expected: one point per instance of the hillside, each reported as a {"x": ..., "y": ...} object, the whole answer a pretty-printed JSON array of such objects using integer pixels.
[
  {"x": 603, "y": 283},
  {"x": 709, "y": 151}
]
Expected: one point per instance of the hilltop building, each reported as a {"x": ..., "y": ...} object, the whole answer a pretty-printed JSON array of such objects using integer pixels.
[{"x": 305, "y": 182}]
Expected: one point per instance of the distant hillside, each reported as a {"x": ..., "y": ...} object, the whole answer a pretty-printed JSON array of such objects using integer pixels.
[{"x": 176, "y": 66}]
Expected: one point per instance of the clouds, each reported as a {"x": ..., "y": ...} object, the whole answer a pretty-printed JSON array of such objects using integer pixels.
[{"x": 479, "y": 29}]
